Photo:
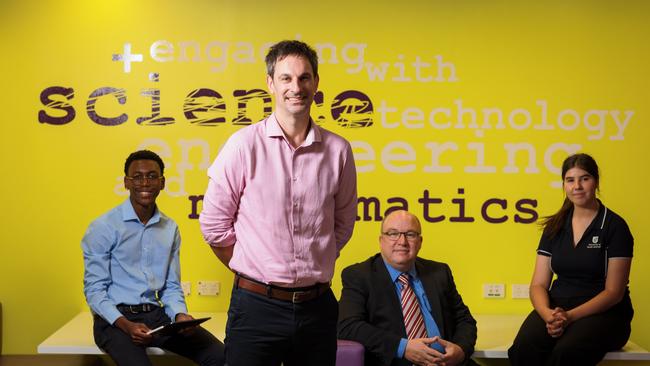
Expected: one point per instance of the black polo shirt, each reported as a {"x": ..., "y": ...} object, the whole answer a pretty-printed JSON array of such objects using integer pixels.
[{"x": 581, "y": 270}]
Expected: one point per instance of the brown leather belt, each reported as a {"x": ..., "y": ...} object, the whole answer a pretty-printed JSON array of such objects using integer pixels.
[{"x": 294, "y": 295}]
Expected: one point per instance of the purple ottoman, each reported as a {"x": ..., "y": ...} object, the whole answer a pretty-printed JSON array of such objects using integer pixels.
[{"x": 349, "y": 353}]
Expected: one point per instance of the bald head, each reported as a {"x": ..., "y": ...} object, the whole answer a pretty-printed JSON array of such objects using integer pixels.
[{"x": 399, "y": 215}]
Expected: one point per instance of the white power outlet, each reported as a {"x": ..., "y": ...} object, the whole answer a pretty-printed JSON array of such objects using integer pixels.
[
  {"x": 520, "y": 291},
  {"x": 187, "y": 287},
  {"x": 494, "y": 290},
  {"x": 208, "y": 288}
]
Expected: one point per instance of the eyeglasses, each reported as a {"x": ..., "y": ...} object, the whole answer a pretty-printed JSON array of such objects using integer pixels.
[
  {"x": 140, "y": 179},
  {"x": 409, "y": 235}
]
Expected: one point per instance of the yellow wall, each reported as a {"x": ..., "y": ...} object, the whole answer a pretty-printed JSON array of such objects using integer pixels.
[{"x": 553, "y": 60}]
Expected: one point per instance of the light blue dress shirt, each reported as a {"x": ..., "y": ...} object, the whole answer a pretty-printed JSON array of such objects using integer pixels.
[
  {"x": 429, "y": 322},
  {"x": 127, "y": 262}
]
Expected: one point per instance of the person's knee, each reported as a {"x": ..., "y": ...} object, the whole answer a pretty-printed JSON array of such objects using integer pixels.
[
  {"x": 569, "y": 354},
  {"x": 218, "y": 355},
  {"x": 212, "y": 355},
  {"x": 525, "y": 352},
  {"x": 516, "y": 351},
  {"x": 522, "y": 343},
  {"x": 213, "y": 359}
]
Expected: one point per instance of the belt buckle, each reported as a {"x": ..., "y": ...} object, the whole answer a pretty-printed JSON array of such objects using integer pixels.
[{"x": 296, "y": 296}]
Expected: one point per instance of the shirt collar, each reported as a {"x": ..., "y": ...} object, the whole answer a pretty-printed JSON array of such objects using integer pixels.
[
  {"x": 599, "y": 217},
  {"x": 128, "y": 213},
  {"x": 273, "y": 129},
  {"x": 394, "y": 273}
]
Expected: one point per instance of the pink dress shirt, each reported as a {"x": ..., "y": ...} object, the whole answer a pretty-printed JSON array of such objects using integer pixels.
[{"x": 288, "y": 211}]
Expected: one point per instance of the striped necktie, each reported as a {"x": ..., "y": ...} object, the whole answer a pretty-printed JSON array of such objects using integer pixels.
[{"x": 413, "y": 320}]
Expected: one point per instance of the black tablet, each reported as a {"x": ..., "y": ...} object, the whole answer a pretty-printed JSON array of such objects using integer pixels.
[{"x": 172, "y": 328}]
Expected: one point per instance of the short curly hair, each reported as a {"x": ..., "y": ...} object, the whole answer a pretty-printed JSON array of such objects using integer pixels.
[{"x": 143, "y": 155}]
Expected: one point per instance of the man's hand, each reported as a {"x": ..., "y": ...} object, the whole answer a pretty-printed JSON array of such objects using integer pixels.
[
  {"x": 137, "y": 331},
  {"x": 183, "y": 317},
  {"x": 224, "y": 254},
  {"x": 454, "y": 355},
  {"x": 419, "y": 352}
]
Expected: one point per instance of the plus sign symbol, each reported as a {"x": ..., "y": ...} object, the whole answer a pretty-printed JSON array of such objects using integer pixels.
[{"x": 127, "y": 57}]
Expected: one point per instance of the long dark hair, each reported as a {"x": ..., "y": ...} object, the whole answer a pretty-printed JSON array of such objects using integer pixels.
[{"x": 553, "y": 224}]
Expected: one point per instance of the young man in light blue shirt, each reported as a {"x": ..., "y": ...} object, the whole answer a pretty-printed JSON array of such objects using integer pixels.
[{"x": 132, "y": 274}]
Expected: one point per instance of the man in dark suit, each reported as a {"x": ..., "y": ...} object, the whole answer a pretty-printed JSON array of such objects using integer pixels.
[{"x": 372, "y": 303}]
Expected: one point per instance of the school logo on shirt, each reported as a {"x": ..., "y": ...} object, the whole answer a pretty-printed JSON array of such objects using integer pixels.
[{"x": 594, "y": 243}]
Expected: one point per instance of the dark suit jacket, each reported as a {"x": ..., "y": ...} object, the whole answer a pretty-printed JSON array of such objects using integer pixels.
[{"x": 371, "y": 314}]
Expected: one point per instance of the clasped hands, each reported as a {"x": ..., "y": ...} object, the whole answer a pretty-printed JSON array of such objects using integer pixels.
[
  {"x": 419, "y": 352},
  {"x": 557, "y": 322}
]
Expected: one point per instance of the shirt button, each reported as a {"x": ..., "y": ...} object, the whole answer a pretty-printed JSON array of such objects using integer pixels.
[
  {"x": 295, "y": 179},
  {"x": 295, "y": 204}
]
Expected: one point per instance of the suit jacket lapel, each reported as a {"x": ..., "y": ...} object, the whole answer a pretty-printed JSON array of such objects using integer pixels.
[
  {"x": 432, "y": 290},
  {"x": 393, "y": 307}
]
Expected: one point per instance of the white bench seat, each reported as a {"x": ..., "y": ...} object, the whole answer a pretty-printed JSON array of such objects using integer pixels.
[
  {"x": 495, "y": 335},
  {"x": 76, "y": 336}
]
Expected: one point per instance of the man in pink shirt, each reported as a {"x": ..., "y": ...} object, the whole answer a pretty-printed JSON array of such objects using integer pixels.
[{"x": 280, "y": 206}]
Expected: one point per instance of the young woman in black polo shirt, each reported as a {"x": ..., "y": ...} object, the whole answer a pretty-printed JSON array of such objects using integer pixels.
[{"x": 587, "y": 311}]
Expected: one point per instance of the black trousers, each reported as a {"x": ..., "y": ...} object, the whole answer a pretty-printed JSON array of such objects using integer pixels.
[
  {"x": 267, "y": 332},
  {"x": 584, "y": 342},
  {"x": 199, "y": 346}
]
